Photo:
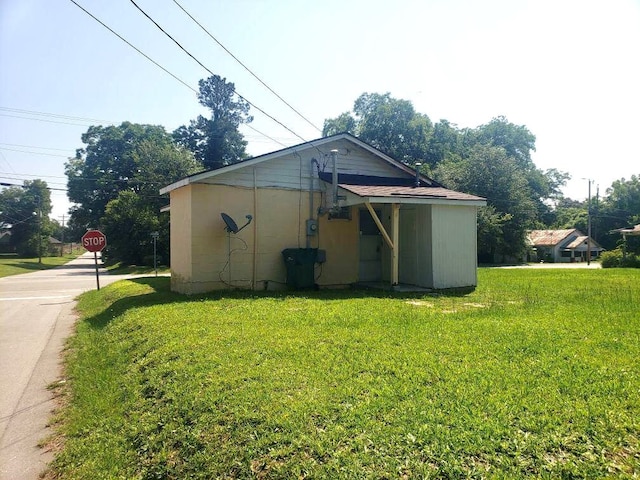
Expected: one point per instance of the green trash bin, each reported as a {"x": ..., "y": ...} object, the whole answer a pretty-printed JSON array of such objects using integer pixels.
[{"x": 300, "y": 264}]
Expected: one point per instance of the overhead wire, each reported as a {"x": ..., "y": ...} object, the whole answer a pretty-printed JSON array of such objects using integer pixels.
[
  {"x": 245, "y": 67},
  {"x": 55, "y": 115},
  {"x": 34, "y": 146},
  {"x": 163, "y": 68},
  {"x": 34, "y": 153},
  {"x": 133, "y": 46},
  {"x": 211, "y": 73},
  {"x": 43, "y": 120}
]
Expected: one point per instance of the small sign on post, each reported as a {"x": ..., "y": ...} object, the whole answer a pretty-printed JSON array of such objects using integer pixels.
[{"x": 94, "y": 241}]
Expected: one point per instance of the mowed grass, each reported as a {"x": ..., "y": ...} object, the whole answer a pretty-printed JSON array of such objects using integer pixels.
[
  {"x": 12, "y": 265},
  {"x": 535, "y": 374}
]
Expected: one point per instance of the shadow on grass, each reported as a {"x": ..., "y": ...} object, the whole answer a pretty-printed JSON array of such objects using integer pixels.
[{"x": 161, "y": 294}]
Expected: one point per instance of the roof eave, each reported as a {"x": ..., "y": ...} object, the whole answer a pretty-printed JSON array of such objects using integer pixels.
[{"x": 353, "y": 199}]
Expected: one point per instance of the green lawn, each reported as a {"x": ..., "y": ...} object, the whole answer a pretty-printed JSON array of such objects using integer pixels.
[
  {"x": 12, "y": 265},
  {"x": 535, "y": 374}
]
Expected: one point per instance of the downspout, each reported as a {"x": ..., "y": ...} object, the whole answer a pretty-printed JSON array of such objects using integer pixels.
[
  {"x": 255, "y": 232},
  {"x": 308, "y": 243},
  {"x": 334, "y": 179}
]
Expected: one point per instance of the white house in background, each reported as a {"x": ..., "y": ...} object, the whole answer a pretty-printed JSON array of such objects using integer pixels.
[
  {"x": 330, "y": 212},
  {"x": 562, "y": 246}
]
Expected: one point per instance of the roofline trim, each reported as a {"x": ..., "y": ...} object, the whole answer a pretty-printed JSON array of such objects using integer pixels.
[{"x": 285, "y": 151}]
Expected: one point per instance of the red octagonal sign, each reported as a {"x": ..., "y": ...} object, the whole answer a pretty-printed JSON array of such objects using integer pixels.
[{"x": 94, "y": 240}]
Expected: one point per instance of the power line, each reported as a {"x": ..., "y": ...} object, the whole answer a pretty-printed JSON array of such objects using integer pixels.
[
  {"x": 210, "y": 72},
  {"x": 246, "y": 68},
  {"x": 265, "y": 135},
  {"x": 33, "y": 153},
  {"x": 55, "y": 115},
  {"x": 34, "y": 146},
  {"x": 167, "y": 71},
  {"x": 133, "y": 46},
  {"x": 6, "y": 184},
  {"x": 43, "y": 120}
]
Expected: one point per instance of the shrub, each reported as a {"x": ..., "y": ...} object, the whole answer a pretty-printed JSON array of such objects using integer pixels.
[{"x": 616, "y": 259}]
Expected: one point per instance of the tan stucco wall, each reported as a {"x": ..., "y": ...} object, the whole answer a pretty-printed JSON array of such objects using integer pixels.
[
  {"x": 180, "y": 230},
  {"x": 454, "y": 246},
  {"x": 199, "y": 260}
]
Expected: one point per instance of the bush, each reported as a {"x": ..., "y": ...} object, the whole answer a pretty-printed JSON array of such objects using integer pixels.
[{"x": 616, "y": 259}]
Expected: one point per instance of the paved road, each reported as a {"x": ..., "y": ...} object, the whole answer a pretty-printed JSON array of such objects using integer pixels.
[{"x": 36, "y": 316}]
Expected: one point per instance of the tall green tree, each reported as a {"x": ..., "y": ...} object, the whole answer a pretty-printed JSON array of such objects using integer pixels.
[
  {"x": 389, "y": 124},
  {"x": 25, "y": 213},
  {"x": 619, "y": 208},
  {"x": 491, "y": 173},
  {"x": 216, "y": 141},
  {"x": 133, "y": 214},
  {"x": 129, "y": 157}
]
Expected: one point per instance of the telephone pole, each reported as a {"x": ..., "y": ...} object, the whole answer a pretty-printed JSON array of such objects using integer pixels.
[{"x": 589, "y": 226}]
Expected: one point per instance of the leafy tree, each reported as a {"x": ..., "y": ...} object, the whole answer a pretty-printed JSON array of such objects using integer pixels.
[
  {"x": 490, "y": 173},
  {"x": 390, "y": 125},
  {"x": 446, "y": 142},
  {"x": 128, "y": 157},
  {"x": 120, "y": 163},
  {"x": 517, "y": 141},
  {"x": 25, "y": 213},
  {"x": 619, "y": 208},
  {"x": 216, "y": 141},
  {"x": 133, "y": 214}
]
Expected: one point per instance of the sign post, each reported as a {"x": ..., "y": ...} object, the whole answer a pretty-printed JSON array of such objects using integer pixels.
[
  {"x": 94, "y": 241},
  {"x": 155, "y": 236}
]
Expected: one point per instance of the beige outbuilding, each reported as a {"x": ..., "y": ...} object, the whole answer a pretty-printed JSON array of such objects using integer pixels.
[{"x": 331, "y": 212}]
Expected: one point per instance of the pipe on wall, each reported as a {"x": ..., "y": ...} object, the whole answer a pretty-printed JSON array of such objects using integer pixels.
[
  {"x": 334, "y": 178},
  {"x": 255, "y": 232}
]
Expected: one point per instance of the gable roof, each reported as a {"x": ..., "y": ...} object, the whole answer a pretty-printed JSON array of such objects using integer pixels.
[
  {"x": 318, "y": 144},
  {"x": 549, "y": 238}
]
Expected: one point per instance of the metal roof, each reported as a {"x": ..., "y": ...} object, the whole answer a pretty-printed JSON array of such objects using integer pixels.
[
  {"x": 635, "y": 230},
  {"x": 549, "y": 238}
]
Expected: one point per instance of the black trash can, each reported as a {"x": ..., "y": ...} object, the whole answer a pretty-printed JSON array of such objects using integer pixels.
[{"x": 300, "y": 264}]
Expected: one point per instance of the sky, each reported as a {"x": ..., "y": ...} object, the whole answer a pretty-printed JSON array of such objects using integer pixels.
[{"x": 569, "y": 70}]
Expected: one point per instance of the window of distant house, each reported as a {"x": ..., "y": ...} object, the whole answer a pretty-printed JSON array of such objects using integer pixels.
[{"x": 565, "y": 253}]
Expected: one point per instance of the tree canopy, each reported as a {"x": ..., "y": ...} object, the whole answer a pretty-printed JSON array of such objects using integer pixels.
[
  {"x": 24, "y": 212},
  {"x": 129, "y": 158},
  {"x": 216, "y": 141},
  {"x": 492, "y": 161},
  {"x": 391, "y": 125}
]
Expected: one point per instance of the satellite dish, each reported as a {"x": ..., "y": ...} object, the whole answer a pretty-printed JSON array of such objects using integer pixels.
[{"x": 232, "y": 226}]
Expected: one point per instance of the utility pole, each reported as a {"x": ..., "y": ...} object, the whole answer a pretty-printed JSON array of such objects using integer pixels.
[
  {"x": 39, "y": 229},
  {"x": 62, "y": 248},
  {"x": 589, "y": 226}
]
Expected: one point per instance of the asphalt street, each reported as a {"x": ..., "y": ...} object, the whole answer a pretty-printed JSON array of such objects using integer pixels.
[{"x": 36, "y": 316}]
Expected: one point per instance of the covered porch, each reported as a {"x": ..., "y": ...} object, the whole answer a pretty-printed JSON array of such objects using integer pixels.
[{"x": 414, "y": 238}]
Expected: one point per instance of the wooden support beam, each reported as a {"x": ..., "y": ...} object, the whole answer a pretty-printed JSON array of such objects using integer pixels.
[
  {"x": 395, "y": 232},
  {"x": 384, "y": 233}
]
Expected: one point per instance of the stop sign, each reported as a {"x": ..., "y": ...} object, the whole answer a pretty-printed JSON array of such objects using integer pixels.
[{"x": 94, "y": 240}]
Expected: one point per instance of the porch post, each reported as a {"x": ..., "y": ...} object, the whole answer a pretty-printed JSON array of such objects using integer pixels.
[{"x": 395, "y": 232}]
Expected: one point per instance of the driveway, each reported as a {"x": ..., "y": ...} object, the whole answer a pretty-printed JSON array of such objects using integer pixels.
[{"x": 36, "y": 316}]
